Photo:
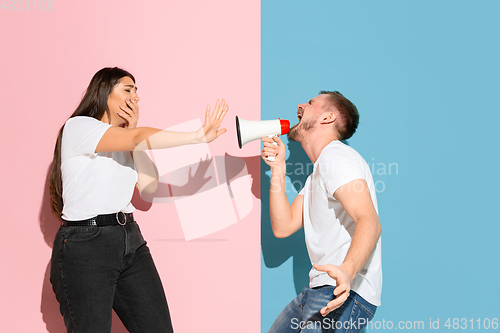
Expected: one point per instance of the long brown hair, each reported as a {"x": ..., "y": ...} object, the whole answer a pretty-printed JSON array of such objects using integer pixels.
[{"x": 93, "y": 104}]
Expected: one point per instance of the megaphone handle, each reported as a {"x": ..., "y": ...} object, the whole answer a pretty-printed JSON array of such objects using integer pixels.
[{"x": 271, "y": 158}]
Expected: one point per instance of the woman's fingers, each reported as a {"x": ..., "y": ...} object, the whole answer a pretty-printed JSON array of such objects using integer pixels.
[
  {"x": 213, "y": 121},
  {"x": 216, "y": 110},
  {"x": 223, "y": 107},
  {"x": 219, "y": 112},
  {"x": 124, "y": 113},
  {"x": 130, "y": 113},
  {"x": 224, "y": 111},
  {"x": 132, "y": 104},
  {"x": 221, "y": 131},
  {"x": 132, "y": 108},
  {"x": 207, "y": 113}
]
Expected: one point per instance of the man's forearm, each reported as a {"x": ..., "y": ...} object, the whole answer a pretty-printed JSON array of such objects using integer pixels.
[
  {"x": 279, "y": 207},
  {"x": 364, "y": 240}
]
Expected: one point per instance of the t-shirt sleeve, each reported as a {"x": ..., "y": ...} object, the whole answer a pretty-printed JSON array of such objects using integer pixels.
[
  {"x": 81, "y": 135},
  {"x": 339, "y": 169}
]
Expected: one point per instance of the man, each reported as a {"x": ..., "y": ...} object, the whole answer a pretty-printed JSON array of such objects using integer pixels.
[{"x": 338, "y": 209}]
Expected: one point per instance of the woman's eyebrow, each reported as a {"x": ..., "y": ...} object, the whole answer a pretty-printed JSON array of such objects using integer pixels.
[{"x": 131, "y": 86}]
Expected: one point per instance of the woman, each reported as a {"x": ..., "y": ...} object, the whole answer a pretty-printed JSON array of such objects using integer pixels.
[{"x": 100, "y": 260}]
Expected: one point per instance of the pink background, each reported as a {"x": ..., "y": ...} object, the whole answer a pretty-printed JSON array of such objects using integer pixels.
[{"x": 183, "y": 54}]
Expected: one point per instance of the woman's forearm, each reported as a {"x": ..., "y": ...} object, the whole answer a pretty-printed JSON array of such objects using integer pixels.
[{"x": 153, "y": 138}]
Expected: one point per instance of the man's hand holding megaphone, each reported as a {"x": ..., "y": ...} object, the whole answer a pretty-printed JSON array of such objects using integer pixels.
[{"x": 273, "y": 147}]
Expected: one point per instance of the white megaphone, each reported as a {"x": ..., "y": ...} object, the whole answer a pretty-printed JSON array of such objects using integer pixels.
[{"x": 249, "y": 130}]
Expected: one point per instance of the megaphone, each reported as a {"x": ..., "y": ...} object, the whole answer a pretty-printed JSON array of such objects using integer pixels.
[{"x": 249, "y": 130}]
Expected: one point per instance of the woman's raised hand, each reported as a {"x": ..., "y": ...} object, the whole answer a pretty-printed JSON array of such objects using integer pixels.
[{"x": 210, "y": 130}]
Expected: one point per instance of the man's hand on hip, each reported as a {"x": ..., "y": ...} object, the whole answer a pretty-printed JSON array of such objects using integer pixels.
[{"x": 342, "y": 289}]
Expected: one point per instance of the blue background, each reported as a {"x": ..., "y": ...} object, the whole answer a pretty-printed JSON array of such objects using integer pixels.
[{"x": 424, "y": 76}]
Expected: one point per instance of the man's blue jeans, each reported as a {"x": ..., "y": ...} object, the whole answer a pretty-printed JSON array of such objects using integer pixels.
[
  {"x": 96, "y": 269},
  {"x": 302, "y": 314}
]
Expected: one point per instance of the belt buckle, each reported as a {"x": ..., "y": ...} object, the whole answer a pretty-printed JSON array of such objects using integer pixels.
[{"x": 124, "y": 218}]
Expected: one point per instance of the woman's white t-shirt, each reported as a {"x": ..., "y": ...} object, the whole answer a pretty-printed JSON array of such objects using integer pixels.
[{"x": 93, "y": 183}]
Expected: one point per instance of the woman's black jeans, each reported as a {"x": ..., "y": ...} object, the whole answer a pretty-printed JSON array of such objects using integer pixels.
[{"x": 96, "y": 269}]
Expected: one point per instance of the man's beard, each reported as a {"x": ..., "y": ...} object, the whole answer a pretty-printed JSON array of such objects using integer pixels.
[{"x": 305, "y": 126}]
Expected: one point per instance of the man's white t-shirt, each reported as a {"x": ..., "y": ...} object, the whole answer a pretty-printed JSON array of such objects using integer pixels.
[
  {"x": 93, "y": 183},
  {"x": 328, "y": 228}
]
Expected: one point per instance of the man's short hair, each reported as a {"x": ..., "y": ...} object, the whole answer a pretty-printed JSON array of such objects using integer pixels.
[{"x": 349, "y": 116}]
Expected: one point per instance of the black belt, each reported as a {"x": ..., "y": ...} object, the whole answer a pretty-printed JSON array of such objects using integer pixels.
[{"x": 119, "y": 218}]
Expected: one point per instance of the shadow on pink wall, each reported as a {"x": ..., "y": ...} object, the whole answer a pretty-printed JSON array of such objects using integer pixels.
[{"x": 200, "y": 176}]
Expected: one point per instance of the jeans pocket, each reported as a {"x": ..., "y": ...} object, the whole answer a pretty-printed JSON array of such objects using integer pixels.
[
  {"x": 369, "y": 312},
  {"x": 361, "y": 314},
  {"x": 81, "y": 234}
]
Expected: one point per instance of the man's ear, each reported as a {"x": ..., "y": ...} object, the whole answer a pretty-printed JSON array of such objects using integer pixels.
[{"x": 328, "y": 117}]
